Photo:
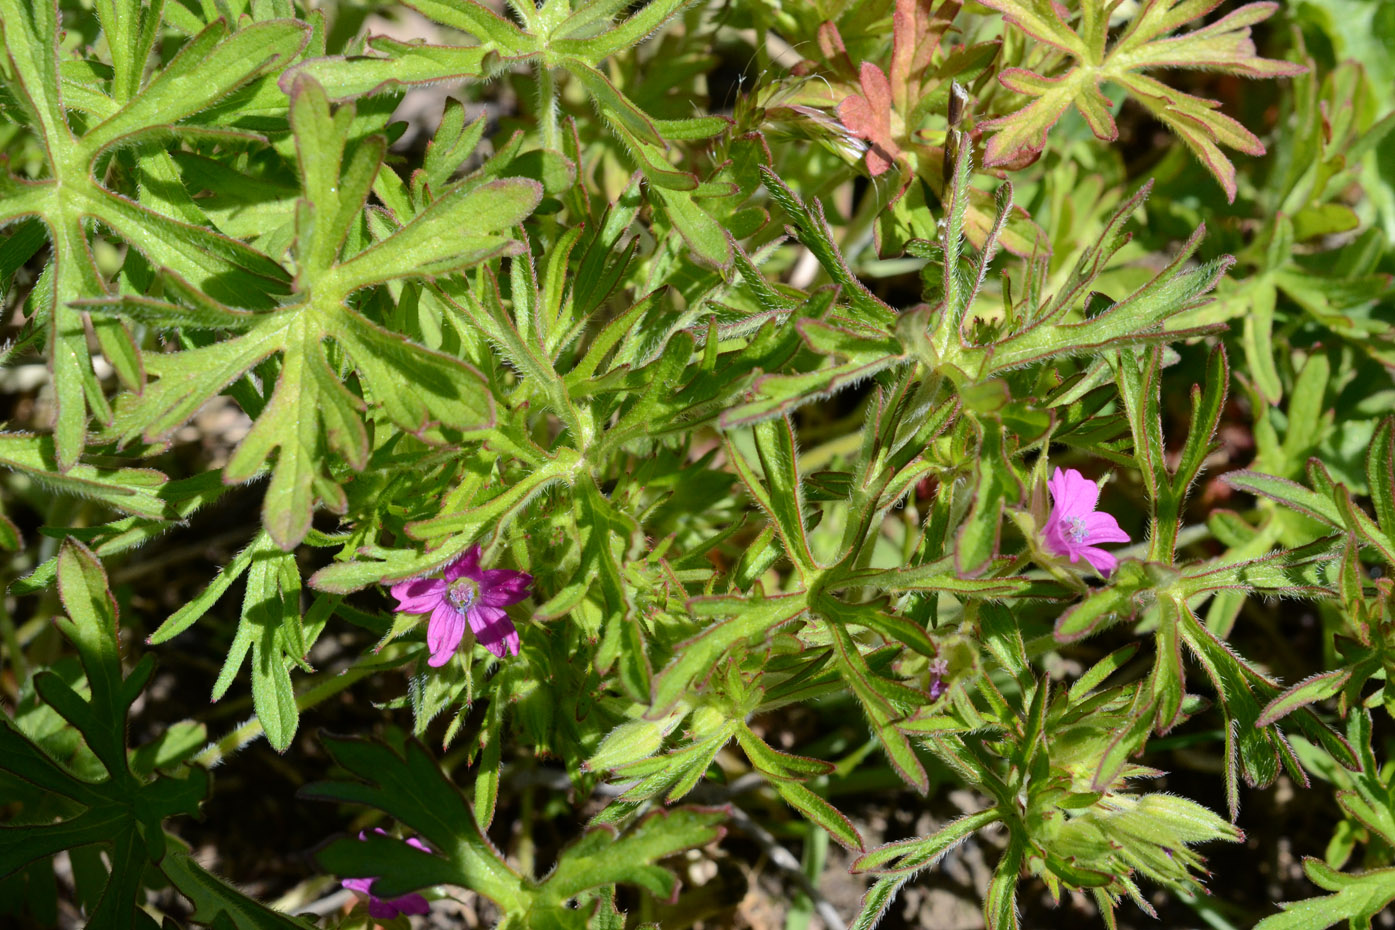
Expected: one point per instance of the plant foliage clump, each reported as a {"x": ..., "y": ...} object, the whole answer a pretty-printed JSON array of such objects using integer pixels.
[{"x": 605, "y": 448}]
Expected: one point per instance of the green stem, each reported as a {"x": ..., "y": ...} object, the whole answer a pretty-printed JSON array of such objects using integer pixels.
[
  {"x": 526, "y": 851},
  {"x": 11, "y": 641},
  {"x": 547, "y": 108},
  {"x": 325, "y": 687}
]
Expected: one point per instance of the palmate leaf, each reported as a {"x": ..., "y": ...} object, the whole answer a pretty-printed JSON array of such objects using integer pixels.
[
  {"x": 74, "y": 196},
  {"x": 889, "y": 105},
  {"x": 311, "y": 412},
  {"x": 577, "y": 44},
  {"x": 122, "y": 812},
  {"x": 1146, "y": 43},
  {"x": 1356, "y": 899}
]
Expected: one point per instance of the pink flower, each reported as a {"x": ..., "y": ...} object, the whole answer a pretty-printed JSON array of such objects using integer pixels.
[
  {"x": 466, "y": 593},
  {"x": 388, "y": 908},
  {"x": 939, "y": 668},
  {"x": 1074, "y": 527}
]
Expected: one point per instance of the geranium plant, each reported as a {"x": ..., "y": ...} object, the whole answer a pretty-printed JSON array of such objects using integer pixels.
[{"x": 592, "y": 464}]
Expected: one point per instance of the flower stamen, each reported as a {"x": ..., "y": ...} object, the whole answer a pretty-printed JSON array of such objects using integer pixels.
[
  {"x": 462, "y": 593},
  {"x": 1075, "y": 528}
]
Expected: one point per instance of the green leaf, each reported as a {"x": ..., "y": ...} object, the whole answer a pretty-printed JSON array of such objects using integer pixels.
[
  {"x": 1104, "y": 606},
  {"x": 1380, "y": 475},
  {"x": 165, "y": 315},
  {"x": 866, "y": 354},
  {"x": 456, "y": 231},
  {"x": 939, "y": 575},
  {"x": 1000, "y": 904},
  {"x": 416, "y": 387},
  {"x": 1358, "y": 899},
  {"x": 402, "y": 64},
  {"x": 605, "y": 856},
  {"x": 1286, "y": 492},
  {"x": 997, "y": 487},
  {"x": 132, "y": 490},
  {"x": 906, "y": 857},
  {"x": 642, "y": 24},
  {"x": 1318, "y": 687},
  {"x": 781, "y": 494},
  {"x": 275, "y": 617},
  {"x": 312, "y": 413},
  {"x": 1137, "y": 318},
  {"x": 207, "y": 68},
  {"x": 614, "y": 104},
  {"x": 215, "y": 900},
  {"x": 696, "y": 657},
  {"x": 1208, "y": 399},
  {"x": 813, "y": 232},
  {"x": 822, "y": 813},
  {"x": 1257, "y": 336},
  {"x": 270, "y": 628},
  {"x": 495, "y": 512},
  {"x": 187, "y": 615},
  {"x": 479, "y": 21},
  {"x": 702, "y": 233}
]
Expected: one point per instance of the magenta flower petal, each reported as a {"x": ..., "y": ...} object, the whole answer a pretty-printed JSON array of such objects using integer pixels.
[
  {"x": 443, "y": 633},
  {"x": 1102, "y": 562},
  {"x": 1074, "y": 528},
  {"x": 1073, "y": 492},
  {"x": 1103, "y": 528},
  {"x": 379, "y": 909},
  {"x": 359, "y": 885},
  {"x": 493, "y": 629},
  {"x": 411, "y": 904},
  {"x": 500, "y": 587},
  {"x": 388, "y": 908},
  {"x": 467, "y": 565},
  {"x": 418, "y": 596},
  {"x": 1055, "y": 542}
]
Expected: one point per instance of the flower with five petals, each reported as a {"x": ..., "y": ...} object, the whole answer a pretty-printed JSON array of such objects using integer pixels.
[
  {"x": 465, "y": 594},
  {"x": 1074, "y": 528}
]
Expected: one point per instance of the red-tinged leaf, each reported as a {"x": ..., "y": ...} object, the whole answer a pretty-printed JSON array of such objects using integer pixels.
[
  {"x": 903, "y": 758},
  {"x": 916, "y": 29},
  {"x": 1023, "y": 133},
  {"x": 1308, "y": 691},
  {"x": 1031, "y": 18},
  {"x": 1224, "y": 45},
  {"x": 833, "y": 50},
  {"x": 1106, "y": 606},
  {"x": 832, "y": 820},
  {"x": 908, "y": 856},
  {"x": 781, "y": 766},
  {"x": 868, "y": 116},
  {"x": 1000, "y": 905},
  {"x": 1288, "y": 493}
]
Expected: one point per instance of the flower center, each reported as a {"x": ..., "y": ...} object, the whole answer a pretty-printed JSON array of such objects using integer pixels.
[
  {"x": 462, "y": 593},
  {"x": 1074, "y": 528}
]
